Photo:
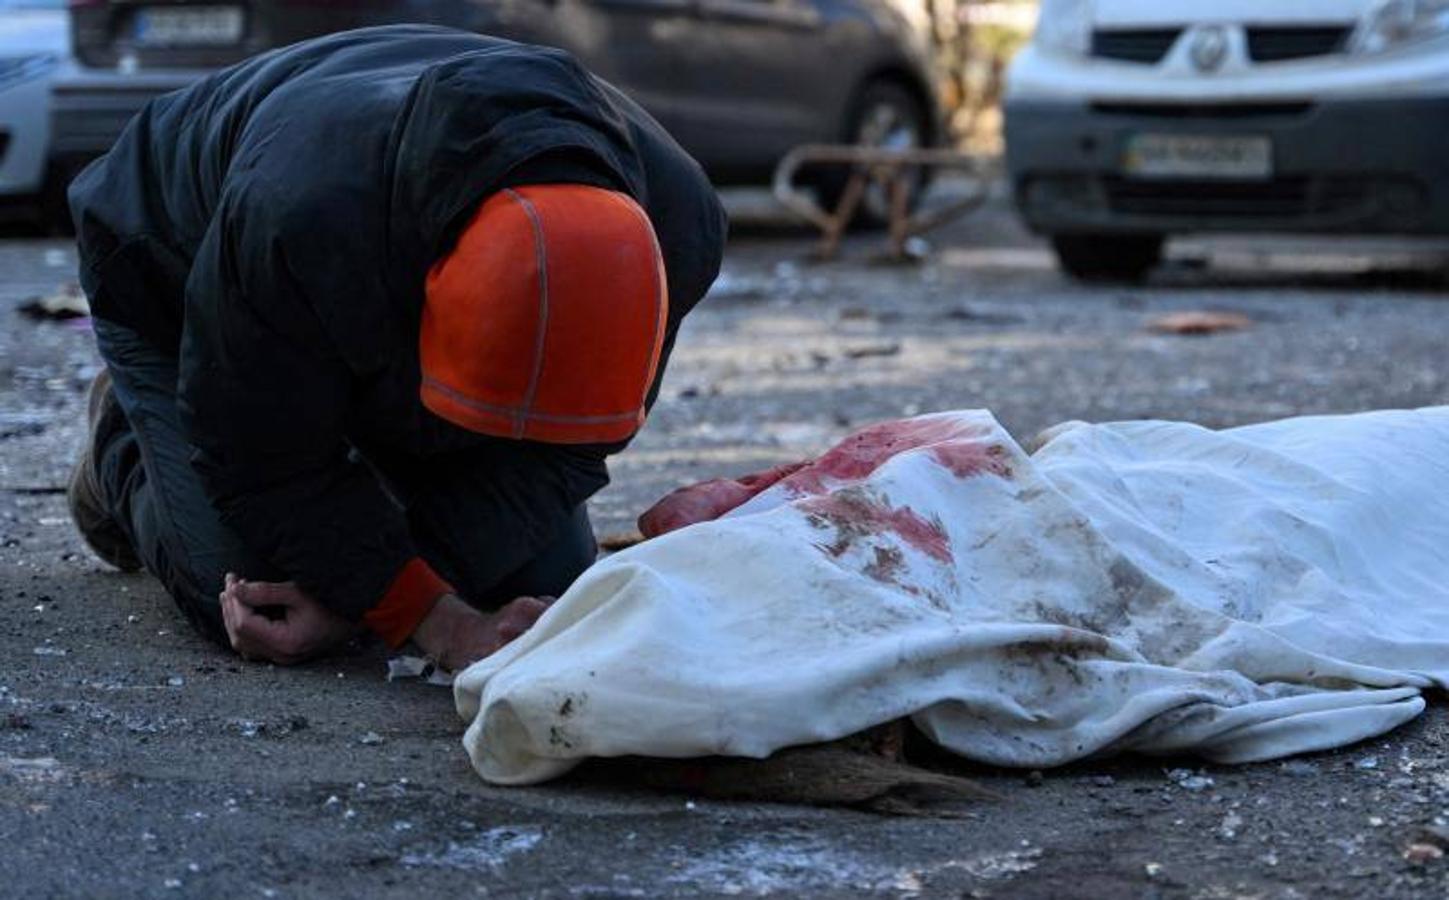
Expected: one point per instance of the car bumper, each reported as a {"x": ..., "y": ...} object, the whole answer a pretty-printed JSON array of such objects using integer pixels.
[
  {"x": 90, "y": 109},
  {"x": 1355, "y": 166},
  {"x": 24, "y": 139}
]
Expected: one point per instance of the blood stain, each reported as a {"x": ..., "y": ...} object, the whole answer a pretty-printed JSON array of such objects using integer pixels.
[
  {"x": 856, "y": 516},
  {"x": 858, "y": 456},
  {"x": 967, "y": 459}
]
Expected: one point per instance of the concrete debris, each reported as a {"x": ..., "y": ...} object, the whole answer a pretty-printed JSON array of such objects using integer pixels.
[
  {"x": 488, "y": 851},
  {"x": 1232, "y": 823},
  {"x": 996, "y": 866},
  {"x": 1420, "y": 854},
  {"x": 865, "y": 351},
  {"x": 280, "y": 727},
  {"x": 420, "y": 667},
  {"x": 1299, "y": 769},
  {"x": 32, "y": 769},
  {"x": 68, "y": 302},
  {"x": 1189, "y": 781}
]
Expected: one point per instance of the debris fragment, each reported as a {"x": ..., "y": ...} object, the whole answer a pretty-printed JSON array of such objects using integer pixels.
[
  {"x": 863, "y": 351},
  {"x": 620, "y": 540},
  {"x": 484, "y": 852},
  {"x": 1367, "y": 762},
  {"x": 1299, "y": 769},
  {"x": 985, "y": 317},
  {"x": 38, "y": 768},
  {"x": 1231, "y": 823},
  {"x": 1199, "y": 322},
  {"x": 371, "y": 739},
  {"x": 994, "y": 866},
  {"x": 1189, "y": 781},
  {"x": 1420, "y": 854},
  {"x": 68, "y": 302},
  {"x": 417, "y": 667}
]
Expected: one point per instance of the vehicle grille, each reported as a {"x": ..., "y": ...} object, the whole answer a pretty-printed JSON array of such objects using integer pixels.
[
  {"x": 1274, "y": 44},
  {"x": 1281, "y": 108},
  {"x": 1138, "y": 45},
  {"x": 1279, "y": 198}
]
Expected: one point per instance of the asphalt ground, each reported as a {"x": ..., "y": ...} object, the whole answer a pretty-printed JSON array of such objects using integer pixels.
[{"x": 137, "y": 760}]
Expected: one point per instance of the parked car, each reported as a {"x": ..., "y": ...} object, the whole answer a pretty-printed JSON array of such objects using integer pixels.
[
  {"x": 1128, "y": 121},
  {"x": 34, "y": 47},
  {"x": 737, "y": 82}
]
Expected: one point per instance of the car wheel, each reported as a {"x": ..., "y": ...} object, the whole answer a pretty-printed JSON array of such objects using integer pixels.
[
  {"x": 1108, "y": 257},
  {"x": 886, "y": 114}
]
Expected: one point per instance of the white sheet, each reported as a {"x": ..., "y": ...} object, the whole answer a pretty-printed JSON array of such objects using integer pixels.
[{"x": 1141, "y": 586}]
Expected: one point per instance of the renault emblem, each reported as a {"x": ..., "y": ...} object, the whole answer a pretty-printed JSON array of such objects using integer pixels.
[{"x": 1209, "y": 48}]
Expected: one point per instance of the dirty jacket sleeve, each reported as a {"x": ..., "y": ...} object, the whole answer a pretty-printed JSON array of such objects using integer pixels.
[{"x": 264, "y": 395}]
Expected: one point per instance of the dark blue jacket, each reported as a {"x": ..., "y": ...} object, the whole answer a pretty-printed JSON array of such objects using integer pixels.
[{"x": 272, "y": 226}]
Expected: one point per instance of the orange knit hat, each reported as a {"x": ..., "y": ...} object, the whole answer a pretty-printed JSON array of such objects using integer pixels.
[{"x": 545, "y": 321}]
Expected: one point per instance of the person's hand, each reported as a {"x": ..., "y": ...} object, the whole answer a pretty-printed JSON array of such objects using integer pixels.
[
  {"x": 708, "y": 500},
  {"x": 278, "y": 622},
  {"x": 456, "y": 635}
]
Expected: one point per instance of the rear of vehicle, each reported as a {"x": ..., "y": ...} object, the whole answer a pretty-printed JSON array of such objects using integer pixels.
[
  {"x": 1128, "y": 121},
  {"x": 32, "y": 51},
  {"x": 129, "y": 51}
]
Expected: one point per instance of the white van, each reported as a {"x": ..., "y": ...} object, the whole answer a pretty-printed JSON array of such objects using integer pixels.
[{"x": 1128, "y": 121}]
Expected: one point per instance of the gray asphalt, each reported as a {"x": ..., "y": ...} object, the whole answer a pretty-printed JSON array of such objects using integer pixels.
[{"x": 136, "y": 760}]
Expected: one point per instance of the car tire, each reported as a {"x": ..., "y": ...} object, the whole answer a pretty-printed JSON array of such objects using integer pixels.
[
  {"x": 885, "y": 113},
  {"x": 1108, "y": 257}
]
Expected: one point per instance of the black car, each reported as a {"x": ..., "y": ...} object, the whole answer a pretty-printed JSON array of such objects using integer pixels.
[{"x": 737, "y": 82}]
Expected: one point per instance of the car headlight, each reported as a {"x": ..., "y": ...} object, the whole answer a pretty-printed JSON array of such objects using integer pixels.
[
  {"x": 1064, "y": 26},
  {"x": 22, "y": 68},
  {"x": 1399, "y": 22}
]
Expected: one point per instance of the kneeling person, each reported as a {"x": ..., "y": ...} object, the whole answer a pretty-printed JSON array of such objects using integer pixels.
[{"x": 374, "y": 310}]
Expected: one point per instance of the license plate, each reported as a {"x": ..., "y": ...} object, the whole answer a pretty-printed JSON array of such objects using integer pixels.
[
  {"x": 1199, "y": 156},
  {"x": 189, "y": 26}
]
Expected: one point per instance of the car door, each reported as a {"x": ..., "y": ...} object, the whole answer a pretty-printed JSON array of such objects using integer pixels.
[
  {"x": 633, "y": 44},
  {"x": 759, "y": 80}
]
